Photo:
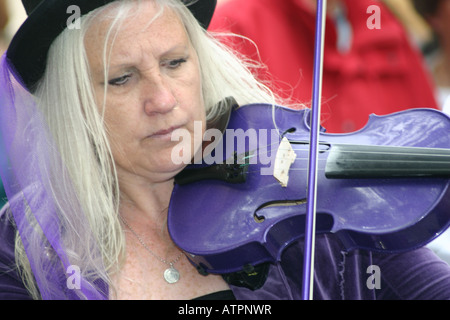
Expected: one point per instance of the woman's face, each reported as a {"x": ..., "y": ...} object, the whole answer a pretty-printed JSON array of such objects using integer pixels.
[{"x": 153, "y": 87}]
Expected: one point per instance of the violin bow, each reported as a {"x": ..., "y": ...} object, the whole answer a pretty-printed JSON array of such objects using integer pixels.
[{"x": 310, "y": 227}]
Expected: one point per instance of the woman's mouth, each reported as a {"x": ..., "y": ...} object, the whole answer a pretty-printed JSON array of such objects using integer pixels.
[{"x": 165, "y": 133}]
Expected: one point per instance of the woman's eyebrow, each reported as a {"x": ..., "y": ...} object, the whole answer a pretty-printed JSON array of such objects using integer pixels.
[{"x": 124, "y": 60}]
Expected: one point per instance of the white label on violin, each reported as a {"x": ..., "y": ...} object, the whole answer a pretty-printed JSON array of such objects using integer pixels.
[{"x": 284, "y": 159}]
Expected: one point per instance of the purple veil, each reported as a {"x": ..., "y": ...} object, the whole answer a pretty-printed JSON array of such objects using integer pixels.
[{"x": 28, "y": 157}]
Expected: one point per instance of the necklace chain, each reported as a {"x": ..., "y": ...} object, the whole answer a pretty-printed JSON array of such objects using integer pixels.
[{"x": 171, "y": 275}]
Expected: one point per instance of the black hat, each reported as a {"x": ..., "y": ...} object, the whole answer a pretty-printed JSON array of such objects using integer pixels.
[{"x": 48, "y": 18}]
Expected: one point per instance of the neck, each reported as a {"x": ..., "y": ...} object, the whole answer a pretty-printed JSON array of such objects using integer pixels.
[{"x": 144, "y": 202}]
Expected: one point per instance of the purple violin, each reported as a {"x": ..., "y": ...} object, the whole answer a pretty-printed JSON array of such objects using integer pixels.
[{"x": 383, "y": 188}]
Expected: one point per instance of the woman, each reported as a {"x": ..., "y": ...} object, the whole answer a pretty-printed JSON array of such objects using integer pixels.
[
  {"x": 95, "y": 163},
  {"x": 147, "y": 46}
]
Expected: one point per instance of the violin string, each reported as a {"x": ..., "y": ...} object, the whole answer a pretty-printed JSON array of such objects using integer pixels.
[
  {"x": 368, "y": 152},
  {"x": 447, "y": 151},
  {"x": 292, "y": 169},
  {"x": 323, "y": 169},
  {"x": 302, "y": 150},
  {"x": 444, "y": 150},
  {"x": 305, "y": 150}
]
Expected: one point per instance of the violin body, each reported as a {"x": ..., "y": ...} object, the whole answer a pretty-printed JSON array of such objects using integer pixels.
[{"x": 224, "y": 226}]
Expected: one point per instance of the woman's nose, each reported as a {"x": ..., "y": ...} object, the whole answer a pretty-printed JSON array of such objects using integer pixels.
[{"x": 158, "y": 97}]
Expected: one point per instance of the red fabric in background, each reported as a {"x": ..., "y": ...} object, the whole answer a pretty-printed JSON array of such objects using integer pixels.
[{"x": 382, "y": 73}]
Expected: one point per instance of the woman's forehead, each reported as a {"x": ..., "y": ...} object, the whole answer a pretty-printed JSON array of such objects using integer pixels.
[
  {"x": 139, "y": 17},
  {"x": 149, "y": 28}
]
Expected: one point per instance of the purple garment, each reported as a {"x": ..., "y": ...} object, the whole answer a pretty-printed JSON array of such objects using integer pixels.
[
  {"x": 339, "y": 275},
  {"x": 27, "y": 154},
  {"x": 11, "y": 286}
]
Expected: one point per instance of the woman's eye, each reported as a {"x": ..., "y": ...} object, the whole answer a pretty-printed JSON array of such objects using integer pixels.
[
  {"x": 173, "y": 64},
  {"x": 120, "y": 80}
]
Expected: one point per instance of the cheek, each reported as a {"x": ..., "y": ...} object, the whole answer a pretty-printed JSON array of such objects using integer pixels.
[
  {"x": 119, "y": 127},
  {"x": 115, "y": 124}
]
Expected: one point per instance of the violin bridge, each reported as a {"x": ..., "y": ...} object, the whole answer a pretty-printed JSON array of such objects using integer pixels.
[{"x": 284, "y": 158}]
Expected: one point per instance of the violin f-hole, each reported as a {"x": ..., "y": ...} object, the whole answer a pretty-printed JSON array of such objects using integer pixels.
[
  {"x": 259, "y": 218},
  {"x": 290, "y": 130}
]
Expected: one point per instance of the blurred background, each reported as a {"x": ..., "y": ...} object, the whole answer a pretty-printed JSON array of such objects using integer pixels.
[{"x": 12, "y": 15}]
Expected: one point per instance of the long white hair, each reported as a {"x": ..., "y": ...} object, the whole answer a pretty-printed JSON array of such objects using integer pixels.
[{"x": 89, "y": 210}]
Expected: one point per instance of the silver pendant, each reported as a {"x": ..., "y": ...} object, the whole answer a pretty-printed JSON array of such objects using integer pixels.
[{"x": 171, "y": 275}]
